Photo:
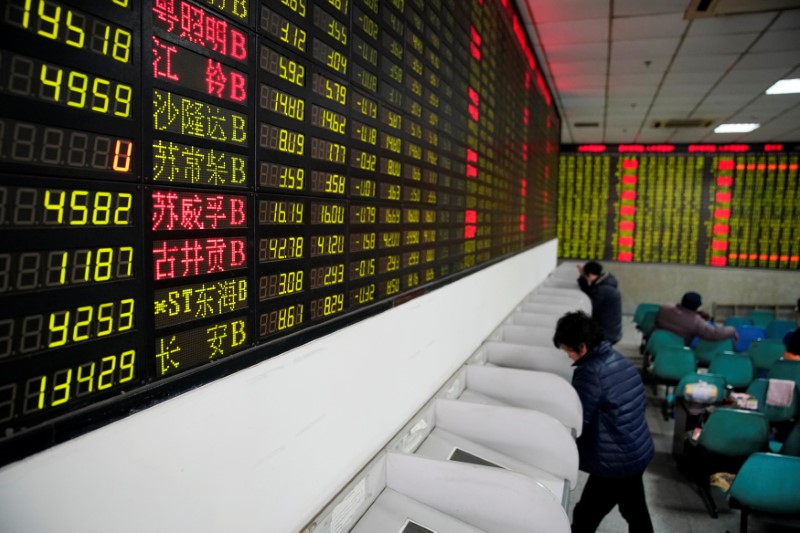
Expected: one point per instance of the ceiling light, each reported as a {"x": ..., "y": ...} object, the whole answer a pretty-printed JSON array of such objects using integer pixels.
[
  {"x": 735, "y": 128},
  {"x": 789, "y": 86}
]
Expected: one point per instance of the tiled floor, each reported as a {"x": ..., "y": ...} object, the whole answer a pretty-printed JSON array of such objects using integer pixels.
[{"x": 674, "y": 503}]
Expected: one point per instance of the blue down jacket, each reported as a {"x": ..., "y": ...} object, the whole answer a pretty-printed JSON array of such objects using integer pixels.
[
  {"x": 606, "y": 304},
  {"x": 616, "y": 441}
]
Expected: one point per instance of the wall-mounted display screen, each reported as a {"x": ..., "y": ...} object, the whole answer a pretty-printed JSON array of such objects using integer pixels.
[
  {"x": 189, "y": 187},
  {"x": 700, "y": 204}
]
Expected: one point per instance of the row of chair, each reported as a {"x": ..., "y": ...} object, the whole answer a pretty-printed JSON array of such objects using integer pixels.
[{"x": 737, "y": 441}]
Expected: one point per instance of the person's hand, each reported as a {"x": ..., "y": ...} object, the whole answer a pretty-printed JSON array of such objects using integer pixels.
[
  {"x": 579, "y": 266},
  {"x": 735, "y": 336}
]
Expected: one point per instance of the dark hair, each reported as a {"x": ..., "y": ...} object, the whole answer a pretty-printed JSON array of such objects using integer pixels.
[
  {"x": 593, "y": 267},
  {"x": 576, "y": 328},
  {"x": 691, "y": 301}
]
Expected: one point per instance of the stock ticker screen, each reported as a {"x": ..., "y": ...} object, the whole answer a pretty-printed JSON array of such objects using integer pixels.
[
  {"x": 190, "y": 187},
  {"x": 720, "y": 205}
]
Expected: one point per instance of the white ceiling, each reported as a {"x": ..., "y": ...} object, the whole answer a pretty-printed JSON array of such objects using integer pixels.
[{"x": 624, "y": 64}]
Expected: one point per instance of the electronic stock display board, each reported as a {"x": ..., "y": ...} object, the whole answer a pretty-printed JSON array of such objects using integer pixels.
[
  {"x": 190, "y": 187},
  {"x": 722, "y": 205}
]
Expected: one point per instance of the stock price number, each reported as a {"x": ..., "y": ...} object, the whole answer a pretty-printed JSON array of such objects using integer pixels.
[
  {"x": 327, "y": 119},
  {"x": 388, "y": 263},
  {"x": 360, "y": 242},
  {"x": 329, "y": 57},
  {"x": 326, "y": 213},
  {"x": 24, "y": 335},
  {"x": 283, "y": 67},
  {"x": 280, "y": 284},
  {"x": 272, "y": 212},
  {"x": 327, "y": 245},
  {"x": 25, "y": 206},
  {"x": 362, "y": 268},
  {"x": 330, "y": 25},
  {"x": 327, "y": 182},
  {"x": 26, "y": 271},
  {"x": 362, "y": 188},
  {"x": 70, "y": 26},
  {"x": 327, "y": 276},
  {"x": 282, "y": 103},
  {"x": 282, "y": 140},
  {"x": 328, "y": 151},
  {"x": 62, "y": 386},
  {"x": 363, "y": 214},
  {"x": 298, "y": 6},
  {"x": 390, "y": 215},
  {"x": 31, "y": 78},
  {"x": 390, "y": 239},
  {"x": 280, "y": 248},
  {"x": 327, "y": 88},
  {"x": 362, "y": 132},
  {"x": 327, "y": 306},
  {"x": 282, "y": 177},
  {"x": 30, "y": 143},
  {"x": 389, "y": 287},
  {"x": 362, "y": 295},
  {"x": 281, "y": 320},
  {"x": 283, "y": 30}
]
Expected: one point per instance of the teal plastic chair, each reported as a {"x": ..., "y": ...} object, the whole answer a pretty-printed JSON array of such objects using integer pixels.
[
  {"x": 706, "y": 351},
  {"x": 786, "y": 369},
  {"x": 641, "y": 310},
  {"x": 747, "y": 335},
  {"x": 712, "y": 379},
  {"x": 737, "y": 369},
  {"x": 648, "y": 324},
  {"x": 764, "y": 353},
  {"x": 660, "y": 339},
  {"x": 728, "y": 437},
  {"x": 766, "y": 483},
  {"x": 736, "y": 321},
  {"x": 778, "y": 328},
  {"x": 758, "y": 389},
  {"x": 761, "y": 317},
  {"x": 669, "y": 367}
]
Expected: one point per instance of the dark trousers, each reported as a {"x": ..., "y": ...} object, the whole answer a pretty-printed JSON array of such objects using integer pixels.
[{"x": 599, "y": 497}]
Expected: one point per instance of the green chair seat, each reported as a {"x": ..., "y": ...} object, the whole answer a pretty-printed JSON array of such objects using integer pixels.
[
  {"x": 706, "y": 351},
  {"x": 673, "y": 363},
  {"x": 641, "y": 310},
  {"x": 736, "y": 321},
  {"x": 764, "y": 353},
  {"x": 660, "y": 339},
  {"x": 736, "y": 368},
  {"x": 728, "y": 437},
  {"x": 761, "y": 317},
  {"x": 648, "y": 323},
  {"x": 786, "y": 369},
  {"x": 758, "y": 389},
  {"x": 777, "y": 329},
  {"x": 767, "y": 483}
]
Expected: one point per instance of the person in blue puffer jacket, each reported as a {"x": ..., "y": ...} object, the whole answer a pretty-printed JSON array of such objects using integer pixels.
[
  {"x": 615, "y": 446},
  {"x": 603, "y": 290}
]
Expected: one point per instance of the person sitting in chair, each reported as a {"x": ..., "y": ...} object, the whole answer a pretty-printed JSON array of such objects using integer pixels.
[{"x": 685, "y": 320}]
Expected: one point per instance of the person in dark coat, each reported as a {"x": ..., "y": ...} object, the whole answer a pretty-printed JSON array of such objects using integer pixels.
[
  {"x": 686, "y": 320},
  {"x": 615, "y": 446},
  {"x": 603, "y": 291}
]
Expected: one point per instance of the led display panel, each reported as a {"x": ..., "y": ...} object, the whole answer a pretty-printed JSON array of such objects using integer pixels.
[
  {"x": 728, "y": 205},
  {"x": 188, "y": 187}
]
